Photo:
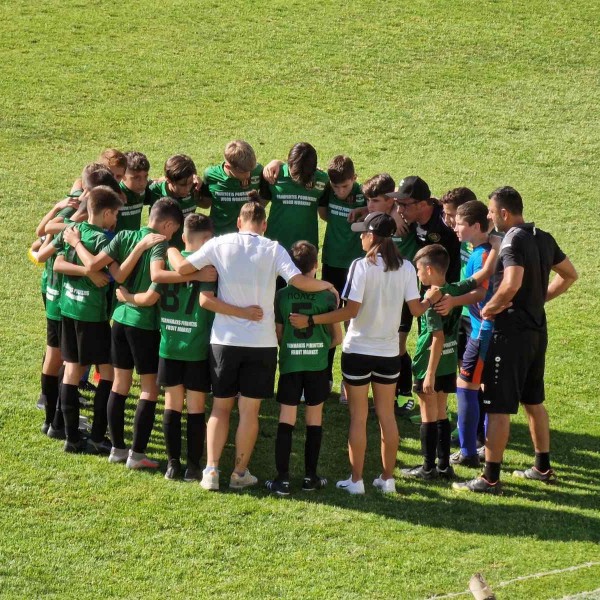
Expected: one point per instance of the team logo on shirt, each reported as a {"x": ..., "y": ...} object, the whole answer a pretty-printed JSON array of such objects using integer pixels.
[
  {"x": 255, "y": 179},
  {"x": 434, "y": 237},
  {"x": 319, "y": 185}
]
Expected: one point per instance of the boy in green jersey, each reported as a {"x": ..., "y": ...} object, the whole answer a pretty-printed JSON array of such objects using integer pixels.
[
  {"x": 135, "y": 334},
  {"x": 225, "y": 187},
  {"x": 435, "y": 364},
  {"x": 134, "y": 185},
  {"x": 85, "y": 331},
  {"x": 302, "y": 371}
]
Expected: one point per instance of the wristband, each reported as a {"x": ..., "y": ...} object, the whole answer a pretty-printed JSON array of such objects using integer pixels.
[{"x": 311, "y": 321}]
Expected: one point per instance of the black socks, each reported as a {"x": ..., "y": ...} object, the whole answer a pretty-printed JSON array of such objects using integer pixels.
[
  {"x": 429, "y": 441},
  {"x": 491, "y": 471},
  {"x": 116, "y": 419},
  {"x": 312, "y": 448},
  {"x": 69, "y": 395},
  {"x": 172, "y": 431},
  {"x": 50, "y": 393},
  {"x": 196, "y": 433},
  {"x": 542, "y": 461},
  {"x": 443, "y": 444},
  {"x": 283, "y": 449},
  {"x": 100, "y": 422},
  {"x": 142, "y": 424}
]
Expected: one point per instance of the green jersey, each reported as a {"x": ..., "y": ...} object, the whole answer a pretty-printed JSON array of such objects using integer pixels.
[
  {"x": 228, "y": 195},
  {"x": 184, "y": 325},
  {"x": 293, "y": 214},
  {"x": 341, "y": 245},
  {"x": 54, "y": 282},
  {"x": 80, "y": 299},
  {"x": 119, "y": 248},
  {"x": 303, "y": 349},
  {"x": 407, "y": 244},
  {"x": 130, "y": 214},
  {"x": 430, "y": 322},
  {"x": 466, "y": 249}
]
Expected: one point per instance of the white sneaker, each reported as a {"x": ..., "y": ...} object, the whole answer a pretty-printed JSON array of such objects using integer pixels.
[
  {"x": 343, "y": 397},
  {"x": 138, "y": 460},
  {"x": 210, "y": 479},
  {"x": 387, "y": 486},
  {"x": 118, "y": 455},
  {"x": 239, "y": 482},
  {"x": 352, "y": 487}
]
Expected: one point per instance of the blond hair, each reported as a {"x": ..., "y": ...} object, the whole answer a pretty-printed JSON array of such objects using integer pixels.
[{"x": 240, "y": 155}]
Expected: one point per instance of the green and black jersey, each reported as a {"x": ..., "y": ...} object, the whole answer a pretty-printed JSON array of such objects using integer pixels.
[
  {"x": 303, "y": 349},
  {"x": 80, "y": 299},
  {"x": 407, "y": 244},
  {"x": 119, "y": 248},
  {"x": 341, "y": 245},
  {"x": 430, "y": 322},
  {"x": 228, "y": 194},
  {"x": 130, "y": 214},
  {"x": 184, "y": 325},
  {"x": 293, "y": 213}
]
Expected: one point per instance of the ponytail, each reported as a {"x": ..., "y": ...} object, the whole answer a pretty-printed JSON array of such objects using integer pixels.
[{"x": 389, "y": 253}]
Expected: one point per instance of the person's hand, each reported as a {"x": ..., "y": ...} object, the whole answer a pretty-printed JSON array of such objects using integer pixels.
[
  {"x": 433, "y": 294},
  {"x": 298, "y": 321},
  {"x": 271, "y": 171},
  {"x": 356, "y": 214},
  {"x": 253, "y": 313},
  {"x": 122, "y": 294},
  {"x": 429, "y": 384},
  {"x": 401, "y": 224},
  {"x": 98, "y": 278},
  {"x": 197, "y": 184},
  {"x": 150, "y": 240},
  {"x": 71, "y": 236},
  {"x": 489, "y": 316},
  {"x": 67, "y": 202},
  {"x": 206, "y": 274},
  {"x": 445, "y": 305}
]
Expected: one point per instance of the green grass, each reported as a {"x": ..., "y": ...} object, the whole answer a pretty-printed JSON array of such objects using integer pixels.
[{"x": 462, "y": 93}]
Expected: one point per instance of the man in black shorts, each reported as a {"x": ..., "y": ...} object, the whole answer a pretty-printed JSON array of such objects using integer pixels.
[{"x": 514, "y": 366}]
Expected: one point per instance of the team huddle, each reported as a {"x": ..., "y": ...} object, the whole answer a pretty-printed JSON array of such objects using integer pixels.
[{"x": 201, "y": 305}]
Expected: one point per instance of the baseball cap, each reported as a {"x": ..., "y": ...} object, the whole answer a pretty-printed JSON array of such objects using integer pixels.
[
  {"x": 379, "y": 223},
  {"x": 411, "y": 187}
]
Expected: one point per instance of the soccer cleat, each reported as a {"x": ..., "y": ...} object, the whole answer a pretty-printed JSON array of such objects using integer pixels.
[
  {"x": 41, "y": 402},
  {"x": 458, "y": 458},
  {"x": 173, "y": 469},
  {"x": 481, "y": 453},
  {"x": 479, "y": 485},
  {"x": 239, "y": 482},
  {"x": 545, "y": 476},
  {"x": 45, "y": 427},
  {"x": 387, "y": 486},
  {"x": 405, "y": 409},
  {"x": 356, "y": 488},
  {"x": 102, "y": 447},
  {"x": 75, "y": 447},
  {"x": 56, "y": 434},
  {"x": 118, "y": 455},
  {"x": 419, "y": 472},
  {"x": 310, "y": 484},
  {"x": 210, "y": 479},
  {"x": 84, "y": 402},
  {"x": 343, "y": 397},
  {"x": 280, "y": 487},
  {"x": 87, "y": 386},
  {"x": 447, "y": 473},
  {"x": 138, "y": 460},
  {"x": 192, "y": 473}
]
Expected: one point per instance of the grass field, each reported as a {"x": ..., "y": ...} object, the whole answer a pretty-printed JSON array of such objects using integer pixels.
[{"x": 462, "y": 93}]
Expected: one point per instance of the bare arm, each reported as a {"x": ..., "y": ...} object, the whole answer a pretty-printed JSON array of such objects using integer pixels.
[
  {"x": 310, "y": 284},
  {"x": 490, "y": 264},
  {"x": 418, "y": 307},
  {"x": 209, "y": 301},
  {"x": 565, "y": 277},
  {"x": 345, "y": 313},
  {"x": 159, "y": 274},
  {"x": 335, "y": 330},
  {"x": 323, "y": 213},
  {"x": 46, "y": 251},
  {"x": 511, "y": 284},
  {"x": 180, "y": 264},
  {"x": 447, "y": 303},
  {"x": 279, "y": 331},
  {"x": 41, "y": 228},
  {"x": 147, "y": 298},
  {"x": 435, "y": 353}
]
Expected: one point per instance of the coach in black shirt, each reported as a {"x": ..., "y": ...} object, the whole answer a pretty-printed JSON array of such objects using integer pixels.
[{"x": 514, "y": 364}]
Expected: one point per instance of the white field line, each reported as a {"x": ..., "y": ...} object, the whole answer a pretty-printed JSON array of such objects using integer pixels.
[{"x": 591, "y": 595}]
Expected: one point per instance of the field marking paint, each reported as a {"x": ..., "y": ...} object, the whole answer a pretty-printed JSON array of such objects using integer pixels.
[
  {"x": 533, "y": 576},
  {"x": 592, "y": 594}
]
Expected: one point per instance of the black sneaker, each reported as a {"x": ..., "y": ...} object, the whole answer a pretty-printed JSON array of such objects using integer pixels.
[
  {"x": 41, "y": 402},
  {"x": 75, "y": 447},
  {"x": 104, "y": 446},
  {"x": 479, "y": 485},
  {"x": 44, "y": 428},
  {"x": 546, "y": 476},
  {"x": 192, "y": 473},
  {"x": 458, "y": 458},
  {"x": 173, "y": 469},
  {"x": 281, "y": 487},
  {"x": 84, "y": 402},
  {"x": 447, "y": 473},
  {"x": 481, "y": 453},
  {"x": 310, "y": 484},
  {"x": 420, "y": 472},
  {"x": 56, "y": 434},
  {"x": 87, "y": 386},
  {"x": 405, "y": 409}
]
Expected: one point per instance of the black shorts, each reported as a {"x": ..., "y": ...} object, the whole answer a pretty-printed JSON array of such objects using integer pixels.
[
  {"x": 315, "y": 385},
  {"x": 464, "y": 333},
  {"x": 444, "y": 383},
  {"x": 53, "y": 329},
  {"x": 135, "y": 347},
  {"x": 473, "y": 361},
  {"x": 192, "y": 375},
  {"x": 514, "y": 370},
  {"x": 336, "y": 276},
  {"x": 406, "y": 319},
  {"x": 361, "y": 369},
  {"x": 85, "y": 343},
  {"x": 249, "y": 371}
]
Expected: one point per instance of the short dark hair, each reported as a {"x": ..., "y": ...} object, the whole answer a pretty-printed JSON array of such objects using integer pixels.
[
  {"x": 88, "y": 170},
  {"x": 101, "y": 177},
  {"x": 434, "y": 255},
  {"x": 136, "y": 161},
  {"x": 305, "y": 256},
  {"x": 473, "y": 212},
  {"x": 166, "y": 209},
  {"x": 101, "y": 198},
  {"x": 253, "y": 212},
  {"x": 302, "y": 162},
  {"x": 197, "y": 223},
  {"x": 178, "y": 167},
  {"x": 378, "y": 185},
  {"x": 340, "y": 169},
  {"x": 509, "y": 199},
  {"x": 458, "y": 196}
]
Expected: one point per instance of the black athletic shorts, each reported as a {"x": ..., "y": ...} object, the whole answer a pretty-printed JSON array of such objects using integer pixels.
[
  {"x": 443, "y": 383},
  {"x": 336, "y": 276},
  {"x": 135, "y": 347},
  {"x": 85, "y": 343},
  {"x": 315, "y": 385},
  {"x": 192, "y": 375},
  {"x": 464, "y": 333},
  {"x": 249, "y": 371},
  {"x": 514, "y": 370},
  {"x": 53, "y": 329},
  {"x": 406, "y": 319},
  {"x": 361, "y": 369}
]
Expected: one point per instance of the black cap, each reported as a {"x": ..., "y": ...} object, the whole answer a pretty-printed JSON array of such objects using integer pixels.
[
  {"x": 379, "y": 223},
  {"x": 411, "y": 187}
]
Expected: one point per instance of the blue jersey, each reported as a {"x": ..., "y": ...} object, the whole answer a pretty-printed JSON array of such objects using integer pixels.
[{"x": 475, "y": 264}]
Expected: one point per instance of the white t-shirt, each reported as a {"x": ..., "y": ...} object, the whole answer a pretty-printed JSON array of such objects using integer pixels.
[
  {"x": 248, "y": 265},
  {"x": 374, "y": 330}
]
